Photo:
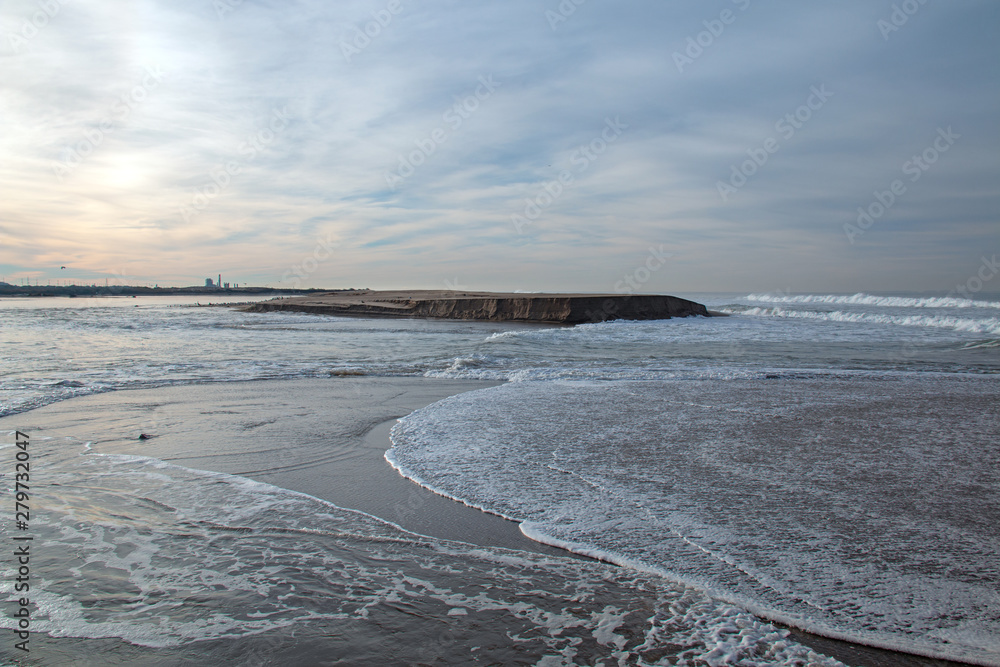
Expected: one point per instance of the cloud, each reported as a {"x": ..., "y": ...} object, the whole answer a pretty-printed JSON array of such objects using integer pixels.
[{"x": 147, "y": 129}]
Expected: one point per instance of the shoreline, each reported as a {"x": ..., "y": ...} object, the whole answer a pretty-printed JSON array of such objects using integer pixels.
[
  {"x": 848, "y": 652},
  {"x": 341, "y": 423},
  {"x": 343, "y": 464}
]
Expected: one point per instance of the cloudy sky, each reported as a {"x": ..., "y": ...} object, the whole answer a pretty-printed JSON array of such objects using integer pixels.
[{"x": 503, "y": 145}]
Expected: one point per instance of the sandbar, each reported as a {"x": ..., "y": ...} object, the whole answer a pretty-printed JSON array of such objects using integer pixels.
[{"x": 560, "y": 308}]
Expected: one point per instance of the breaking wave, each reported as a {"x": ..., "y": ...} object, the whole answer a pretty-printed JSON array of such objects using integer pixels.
[
  {"x": 988, "y": 325},
  {"x": 862, "y": 299}
]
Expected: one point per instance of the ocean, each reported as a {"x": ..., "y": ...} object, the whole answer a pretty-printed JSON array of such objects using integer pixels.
[{"x": 828, "y": 463}]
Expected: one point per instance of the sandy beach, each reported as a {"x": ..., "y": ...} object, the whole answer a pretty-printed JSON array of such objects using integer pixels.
[{"x": 324, "y": 437}]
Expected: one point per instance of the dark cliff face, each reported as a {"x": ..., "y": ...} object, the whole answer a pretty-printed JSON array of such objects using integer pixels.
[
  {"x": 558, "y": 309},
  {"x": 566, "y": 310}
]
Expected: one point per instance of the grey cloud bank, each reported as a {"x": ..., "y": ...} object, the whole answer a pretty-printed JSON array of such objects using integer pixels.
[{"x": 719, "y": 165}]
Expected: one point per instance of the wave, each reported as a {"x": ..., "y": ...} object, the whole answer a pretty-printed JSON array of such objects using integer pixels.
[
  {"x": 862, "y": 299},
  {"x": 784, "y": 519},
  {"x": 165, "y": 556},
  {"x": 981, "y": 344},
  {"x": 990, "y": 325}
]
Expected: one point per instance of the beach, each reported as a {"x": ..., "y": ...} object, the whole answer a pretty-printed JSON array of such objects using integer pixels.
[
  {"x": 213, "y": 486},
  {"x": 551, "y": 334},
  {"x": 325, "y": 438}
]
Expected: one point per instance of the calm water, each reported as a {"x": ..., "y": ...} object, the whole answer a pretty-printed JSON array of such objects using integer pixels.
[{"x": 828, "y": 461}]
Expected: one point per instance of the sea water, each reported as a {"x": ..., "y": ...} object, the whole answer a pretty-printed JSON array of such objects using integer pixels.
[
  {"x": 854, "y": 505},
  {"x": 827, "y": 461}
]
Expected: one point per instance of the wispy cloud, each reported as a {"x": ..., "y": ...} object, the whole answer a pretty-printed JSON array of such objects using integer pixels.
[{"x": 170, "y": 100}]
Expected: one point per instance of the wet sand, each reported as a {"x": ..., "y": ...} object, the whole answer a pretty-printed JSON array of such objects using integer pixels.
[{"x": 325, "y": 437}]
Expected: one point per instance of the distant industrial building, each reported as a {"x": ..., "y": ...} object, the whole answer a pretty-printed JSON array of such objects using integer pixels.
[{"x": 218, "y": 284}]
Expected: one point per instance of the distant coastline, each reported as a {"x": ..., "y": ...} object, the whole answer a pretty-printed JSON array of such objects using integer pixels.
[{"x": 141, "y": 290}]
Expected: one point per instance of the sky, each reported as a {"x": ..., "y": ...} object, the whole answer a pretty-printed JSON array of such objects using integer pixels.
[{"x": 650, "y": 147}]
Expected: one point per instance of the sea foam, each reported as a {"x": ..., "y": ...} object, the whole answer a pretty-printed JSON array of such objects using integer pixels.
[
  {"x": 862, "y": 299},
  {"x": 848, "y": 506}
]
